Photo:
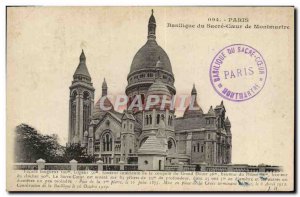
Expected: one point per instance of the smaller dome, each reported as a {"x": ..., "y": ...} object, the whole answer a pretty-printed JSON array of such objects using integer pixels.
[
  {"x": 158, "y": 88},
  {"x": 211, "y": 112},
  {"x": 196, "y": 110},
  {"x": 192, "y": 113},
  {"x": 152, "y": 146},
  {"x": 98, "y": 113},
  {"x": 227, "y": 121}
]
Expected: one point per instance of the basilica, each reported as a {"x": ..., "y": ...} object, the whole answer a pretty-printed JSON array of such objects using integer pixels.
[{"x": 153, "y": 137}]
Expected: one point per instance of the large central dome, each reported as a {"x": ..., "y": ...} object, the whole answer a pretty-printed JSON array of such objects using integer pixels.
[
  {"x": 144, "y": 68},
  {"x": 147, "y": 57}
]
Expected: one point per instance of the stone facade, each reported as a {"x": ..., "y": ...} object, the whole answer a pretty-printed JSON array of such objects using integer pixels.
[{"x": 195, "y": 138}]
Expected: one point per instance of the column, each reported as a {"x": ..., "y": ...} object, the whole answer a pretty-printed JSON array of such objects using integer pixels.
[
  {"x": 180, "y": 167},
  {"x": 167, "y": 118},
  {"x": 143, "y": 119},
  {"x": 70, "y": 121},
  {"x": 189, "y": 143},
  {"x": 73, "y": 164},
  {"x": 215, "y": 152},
  {"x": 122, "y": 165},
  {"x": 81, "y": 119},
  {"x": 153, "y": 117},
  {"x": 92, "y": 105},
  {"x": 77, "y": 119},
  {"x": 41, "y": 164},
  {"x": 100, "y": 165}
]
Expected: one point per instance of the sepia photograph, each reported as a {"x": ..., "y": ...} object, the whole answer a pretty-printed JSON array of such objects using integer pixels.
[{"x": 150, "y": 98}]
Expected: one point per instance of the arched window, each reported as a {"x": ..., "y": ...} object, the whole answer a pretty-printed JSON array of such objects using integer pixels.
[
  {"x": 198, "y": 147},
  {"x": 107, "y": 142},
  {"x": 147, "y": 120},
  {"x": 172, "y": 146},
  {"x": 110, "y": 144},
  {"x": 157, "y": 119},
  {"x": 150, "y": 75},
  {"x": 170, "y": 122},
  {"x": 150, "y": 119},
  {"x": 143, "y": 98},
  {"x": 104, "y": 144}
]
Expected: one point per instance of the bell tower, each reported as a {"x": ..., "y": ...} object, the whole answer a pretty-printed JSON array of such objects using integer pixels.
[{"x": 81, "y": 102}]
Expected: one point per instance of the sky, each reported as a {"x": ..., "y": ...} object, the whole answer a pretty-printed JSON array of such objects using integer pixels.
[{"x": 44, "y": 45}]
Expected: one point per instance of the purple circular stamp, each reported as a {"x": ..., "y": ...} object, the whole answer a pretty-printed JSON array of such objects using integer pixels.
[{"x": 238, "y": 72}]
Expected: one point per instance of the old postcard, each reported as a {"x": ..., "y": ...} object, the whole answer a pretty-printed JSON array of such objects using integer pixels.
[{"x": 150, "y": 98}]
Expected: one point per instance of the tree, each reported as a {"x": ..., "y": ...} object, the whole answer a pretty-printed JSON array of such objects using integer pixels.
[
  {"x": 77, "y": 152},
  {"x": 30, "y": 146}
]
